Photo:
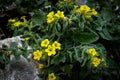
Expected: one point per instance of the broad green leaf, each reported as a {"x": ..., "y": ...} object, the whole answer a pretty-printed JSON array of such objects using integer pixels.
[
  {"x": 105, "y": 34},
  {"x": 88, "y": 36},
  {"x": 38, "y": 17}
]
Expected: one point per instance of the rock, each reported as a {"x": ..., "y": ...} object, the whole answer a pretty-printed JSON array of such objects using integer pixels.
[
  {"x": 21, "y": 69},
  {"x": 7, "y": 41}
]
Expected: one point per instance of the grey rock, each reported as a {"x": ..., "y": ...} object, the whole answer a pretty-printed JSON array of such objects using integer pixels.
[
  {"x": 7, "y": 41},
  {"x": 20, "y": 69}
]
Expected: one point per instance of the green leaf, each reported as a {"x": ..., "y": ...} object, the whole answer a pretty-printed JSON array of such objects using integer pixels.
[
  {"x": 77, "y": 56},
  {"x": 70, "y": 55},
  {"x": 38, "y": 18},
  {"x": 68, "y": 68},
  {"x": 105, "y": 34},
  {"x": 57, "y": 59},
  {"x": 88, "y": 36}
]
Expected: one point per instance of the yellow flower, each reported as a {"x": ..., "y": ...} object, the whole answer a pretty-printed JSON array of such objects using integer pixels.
[
  {"x": 57, "y": 45},
  {"x": 23, "y": 17},
  {"x": 45, "y": 43},
  {"x": 96, "y": 61},
  {"x": 94, "y": 12},
  {"x": 50, "y": 17},
  {"x": 37, "y": 55},
  {"x": 92, "y": 52},
  {"x": 50, "y": 50},
  {"x": 17, "y": 24},
  {"x": 84, "y": 9},
  {"x": 51, "y": 76},
  {"x": 40, "y": 66},
  {"x": 60, "y": 14},
  {"x": 26, "y": 38},
  {"x": 11, "y": 20},
  {"x": 50, "y": 14},
  {"x": 50, "y": 20}
]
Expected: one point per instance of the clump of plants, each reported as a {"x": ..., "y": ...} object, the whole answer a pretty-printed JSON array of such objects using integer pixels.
[{"x": 66, "y": 41}]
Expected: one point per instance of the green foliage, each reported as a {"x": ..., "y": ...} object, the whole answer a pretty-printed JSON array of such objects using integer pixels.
[
  {"x": 36, "y": 16},
  {"x": 109, "y": 13},
  {"x": 4, "y": 57},
  {"x": 13, "y": 49},
  {"x": 88, "y": 36},
  {"x": 81, "y": 34}
]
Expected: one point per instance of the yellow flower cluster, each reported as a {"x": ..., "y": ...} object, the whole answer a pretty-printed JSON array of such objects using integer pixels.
[
  {"x": 11, "y": 20},
  {"x": 86, "y": 10},
  {"x": 92, "y": 52},
  {"x": 96, "y": 61},
  {"x": 52, "y": 16},
  {"x": 51, "y": 76},
  {"x": 50, "y": 49},
  {"x": 16, "y": 23}
]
